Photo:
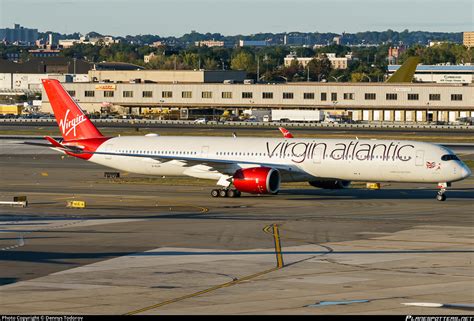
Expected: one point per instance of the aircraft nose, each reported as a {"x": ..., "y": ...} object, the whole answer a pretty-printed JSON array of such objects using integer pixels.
[{"x": 465, "y": 172}]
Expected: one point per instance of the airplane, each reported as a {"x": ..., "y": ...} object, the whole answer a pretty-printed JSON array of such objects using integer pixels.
[{"x": 252, "y": 164}]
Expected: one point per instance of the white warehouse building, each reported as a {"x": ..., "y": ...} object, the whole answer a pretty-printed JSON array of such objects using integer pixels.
[{"x": 404, "y": 102}]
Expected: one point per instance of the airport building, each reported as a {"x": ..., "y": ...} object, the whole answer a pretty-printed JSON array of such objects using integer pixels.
[
  {"x": 442, "y": 74},
  {"x": 166, "y": 76},
  {"x": 404, "y": 102},
  {"x": 336, "y": 62},
  {"x": 26, "y": 77}
]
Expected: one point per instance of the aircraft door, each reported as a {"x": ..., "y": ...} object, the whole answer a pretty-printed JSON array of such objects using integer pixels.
[
  {"x": 108, "y": 149},
  {"x": 318, "y": 154},
  {"x": 420, "y": 156}
]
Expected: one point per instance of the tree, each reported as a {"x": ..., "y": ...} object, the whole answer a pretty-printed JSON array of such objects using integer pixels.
[
  {"x": 191, "y": 60},
  {"x": 210, "y": 64},
  {"x": 292, "y": 70},
  {"x": 243, "y": 61},
  {"x": 319, "y": 68}
]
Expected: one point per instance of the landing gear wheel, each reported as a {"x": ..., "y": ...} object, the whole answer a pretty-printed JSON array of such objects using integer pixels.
[
  {"x": 223, "y": 193},
  {"x": 441, "y": 197},
  {"x": 231, "y": 193},
  {"x": 237, "y": 193},
  {"x": 215, "y": 193}
]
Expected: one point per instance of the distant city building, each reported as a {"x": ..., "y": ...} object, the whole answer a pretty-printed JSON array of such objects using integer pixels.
[
  {"x": 19, "y": 35},
  {"x": 13, "y": 56},
  {"x": 148, "y": 58},
  {"x": 209, "y": 43},
  {"x": 67, "y": 43},
  {"x": 157, "y": 44},
  {"x": 468, "y": 39},
  {"x": 337, "y": 40},
  {"x": 51, "y": 40},
  {"x": 442, "y": 74},
  {"x": 437, "y": 43},
  {"x": 336, "y": 62},
  {"x": 106, "y": 41},
  {"x": 294, "y": 40},
  {"x": 253, "y": 43},
  {"x": 394, "y": 54}
]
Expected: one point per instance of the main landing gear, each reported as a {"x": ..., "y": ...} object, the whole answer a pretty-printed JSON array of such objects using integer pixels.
[
  {"x": 225, "y": 192},
  {"x": 440, "y": 196}
]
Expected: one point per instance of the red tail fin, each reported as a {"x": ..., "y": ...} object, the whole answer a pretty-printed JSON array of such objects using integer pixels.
[
  {"x": 71, "y": 120},
  {"x": 286, "y": 133}
]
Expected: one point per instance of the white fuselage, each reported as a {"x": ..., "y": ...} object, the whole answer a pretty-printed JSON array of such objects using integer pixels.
[{"x": 298, "y": 159}]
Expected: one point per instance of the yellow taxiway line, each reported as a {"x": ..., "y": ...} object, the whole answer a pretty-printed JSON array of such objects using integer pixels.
[{"x": 270, "y": 229}]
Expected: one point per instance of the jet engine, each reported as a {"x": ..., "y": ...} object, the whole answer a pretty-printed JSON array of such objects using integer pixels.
[
  {"x": 330, "y": 184},
  {"x": 257, "y": 180}
]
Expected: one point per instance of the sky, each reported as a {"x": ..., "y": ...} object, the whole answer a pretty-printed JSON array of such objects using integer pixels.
[{"x": 233, "y": 17}]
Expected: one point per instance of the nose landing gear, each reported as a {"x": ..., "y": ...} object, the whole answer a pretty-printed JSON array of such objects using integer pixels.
[{"x": 440, "y": 196}]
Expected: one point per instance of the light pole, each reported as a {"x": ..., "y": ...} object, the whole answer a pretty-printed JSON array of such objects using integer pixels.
[
  {"x": 258, "y": 68},
  {"x": 161, "y": 105},
  {"x": 308, "y": 73}
]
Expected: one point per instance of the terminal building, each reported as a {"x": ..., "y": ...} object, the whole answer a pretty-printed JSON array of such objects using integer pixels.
[{"x": 194, "y": 90}]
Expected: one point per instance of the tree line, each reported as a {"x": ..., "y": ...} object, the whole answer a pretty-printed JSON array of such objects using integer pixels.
[{"x": 369, "y": 63}]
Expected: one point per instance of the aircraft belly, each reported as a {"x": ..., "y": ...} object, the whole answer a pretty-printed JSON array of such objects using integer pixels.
[{"x": 145, "y": 166}]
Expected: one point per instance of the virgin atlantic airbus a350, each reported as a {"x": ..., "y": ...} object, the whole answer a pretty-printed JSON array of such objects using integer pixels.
[{"x": 254, "y": 165}]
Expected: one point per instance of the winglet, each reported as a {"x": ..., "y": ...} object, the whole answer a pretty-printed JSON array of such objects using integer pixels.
[{"x": 286, "y": 133}]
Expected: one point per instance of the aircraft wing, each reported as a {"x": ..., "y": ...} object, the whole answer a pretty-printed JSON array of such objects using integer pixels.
[{"x": 227, "y": 166}]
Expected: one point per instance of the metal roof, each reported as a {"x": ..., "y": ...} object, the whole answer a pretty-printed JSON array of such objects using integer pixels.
[{"x": 438, "y": 68}]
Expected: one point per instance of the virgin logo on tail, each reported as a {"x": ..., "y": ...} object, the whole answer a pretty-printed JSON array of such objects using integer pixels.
[{"x": 70, "y": 125}]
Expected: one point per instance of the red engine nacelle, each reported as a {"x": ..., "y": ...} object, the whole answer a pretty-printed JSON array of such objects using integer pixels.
[{"x": 257, "y": 180}]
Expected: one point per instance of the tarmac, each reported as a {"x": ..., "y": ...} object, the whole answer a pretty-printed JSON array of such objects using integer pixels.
[{"x": 166, "y": 247}]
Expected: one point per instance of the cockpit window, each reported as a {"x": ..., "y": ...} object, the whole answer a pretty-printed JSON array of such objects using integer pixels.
[{"x": 449, "y": 157}]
